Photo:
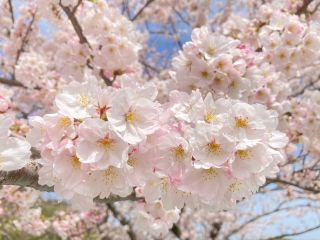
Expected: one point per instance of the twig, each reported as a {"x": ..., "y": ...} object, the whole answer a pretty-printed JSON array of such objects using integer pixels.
[
  {"x": 285, "y": 182},
  {"x": 176, "y": 35},
  {"x": 24, "y": 41},
  {"x": 11, "y": 10},
  {"x": 302, "y": 90},
  {"x": 76, "y": 7},
  {"x": 284, "y": 236},
  {"x": 303, "y": 7},
  {"x": 76, "y": 25},
  {"x": 122, "y": 220},
  {"x": 176, "y": 231},
  {"x": 11, "y": 82},
  {"x": 142, "y": 9}
]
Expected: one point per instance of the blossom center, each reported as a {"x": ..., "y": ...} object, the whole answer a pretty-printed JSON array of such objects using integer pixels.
[
  {"x": 179, "y": 152},
  {"x": 84, "y": 100},
  {"x": 205, "y": 74},
  {"x": 233, "y": 187},
  {"x": 211, "y": 51},
  {"x": 130, "y": 117},
  {"x": 131, "y": 161},
  {"x": 209, "y": 117},
  {"x": 214, "y": 147},
  {"x": 241, "y": 122},
  {"x": 105, "y": 143},
  {"x": 75, "y": 162},
  {"x": 210, "y": 173},
  {"x": 242, "y": 154},
  {"x": 110, "y": 174},
  {"x": 164, "y": 184},
  {"x": 64, "y": 122}
]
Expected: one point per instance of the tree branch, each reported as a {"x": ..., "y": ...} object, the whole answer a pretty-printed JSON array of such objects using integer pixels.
[
  {"x": 141, "y": 10},
  {"x": 122, "y": 220},
  {"x": 82, "y": 38},
  {"x": 258, "y": 217},
  {"x": 25, "y": 177},
  {"x": 285, "y": 182},
  {"x": 24, "y": 40},
  {"x": 12, "y": 82},
  {"x": 11, "y": 10},
  {"x": 284, "y": 236},
  {"x": 303, "y": 7},
  {"x": 76, "y": 25}
]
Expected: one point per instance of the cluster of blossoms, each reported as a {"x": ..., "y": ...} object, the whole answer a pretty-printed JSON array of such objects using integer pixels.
[
  {"x": 34, "y": 59},
  {"x": 301, "y": 121},
  {"x": 219, "y": 64},
  {"x": 289, "y": 42},
  {"x": 188, "y": 151},
  {"x": 111, "y": 43}
]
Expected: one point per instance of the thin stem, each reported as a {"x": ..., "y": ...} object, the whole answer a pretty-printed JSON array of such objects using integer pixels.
[{"x": 142, "y": 9}]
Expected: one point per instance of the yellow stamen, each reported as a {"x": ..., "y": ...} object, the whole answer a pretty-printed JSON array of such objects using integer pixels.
[
  {"x": 243, "y": 154},
  {"x": 131, "y": 161},
  {"x": 217, "y": 80},
  {"x": 205, "y": 74},
  {"x": 106, "y": 143},
  {"x": 110, "y": 174},
  {"x": 221, "y": 65},
  {"x": 241, "y": 122},
  {"x": 130, "y": 117},
  {"x": 209, "y": 117},
  {"x": 64, "y": 122},
  {"x": 214, "y": 147},
  {"x": 179, "y": 152},
  {"x": 210, "y": 173},
  {"x": 164, "y": 184},
  {"x": 233, "y": 187},
  {"x": 84, "y": 100},
  {"x": 233, "y": 84},
  {"x": 211, "y": 51},
  {"x": 75, "y": 162}
]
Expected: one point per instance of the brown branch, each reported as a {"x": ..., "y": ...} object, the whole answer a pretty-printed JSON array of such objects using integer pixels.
[
  {"x": 303, "y": 7},
  {"x": 11, "y": 10},
  {"x": 176, "y": 230},
  {"x": 142, "y": 9},
  {"x": 24, "y": 40},
  {"x": 106, "y": 80},
  {"x": 258, "y": 217},
  {"x": 25, "y": 177},
  {"x": 74, "y": 10},
  {"x": 122, "y": 220},
  {"x": 76, "y": 25},
  {"x": 147, "y": 65},
  {"x": 297, "y": 185},
  {"x": 12, "y": 82},
  {"x": 284, "y": 236},
  {"x": 176, "y": 35},
  {"x": 304, "y": 88},
  {"x": 82, "y": 38}
]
